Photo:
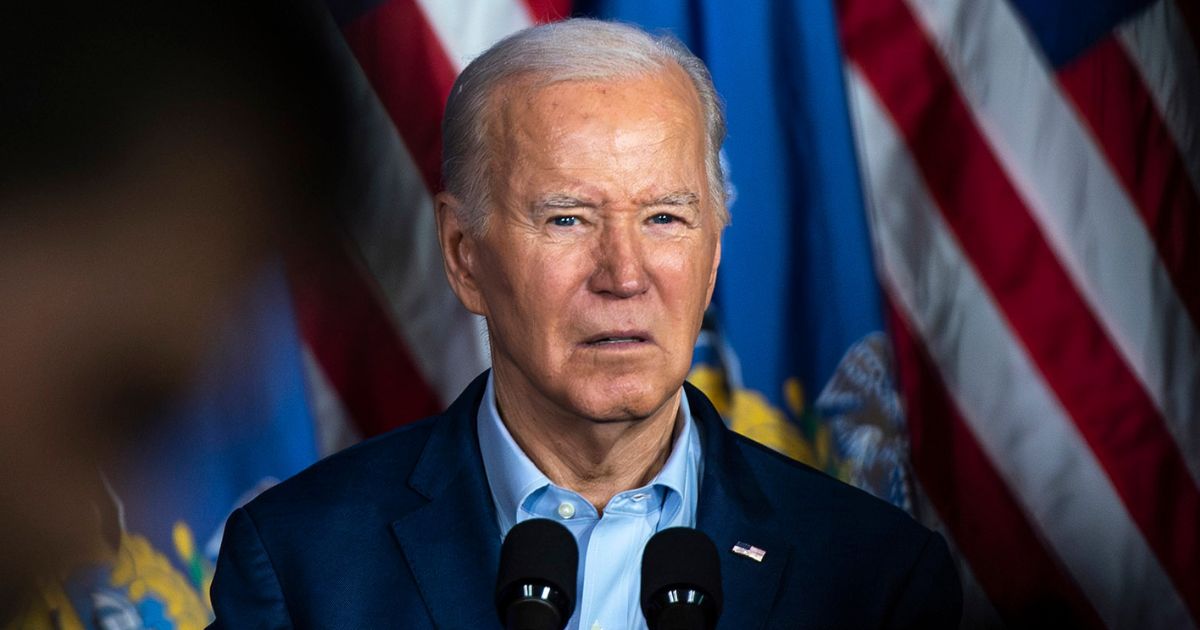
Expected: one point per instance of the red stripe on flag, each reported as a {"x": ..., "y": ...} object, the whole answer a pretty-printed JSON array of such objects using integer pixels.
[
  {"x": 340, "y": 313},
  {"x": 543, "y": 11},
  {"x": 1022, "y": 579},
  {"x": 1112, "y": 97},
  {"x": 1069, "y": 346},
  {"x": 410, "y": 71},
  {"x": 340, "y": 316}
]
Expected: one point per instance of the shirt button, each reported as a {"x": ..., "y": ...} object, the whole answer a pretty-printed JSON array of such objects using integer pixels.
[
  {"x": 641, "y": 496},
  {"x": 566, "y": 510}
]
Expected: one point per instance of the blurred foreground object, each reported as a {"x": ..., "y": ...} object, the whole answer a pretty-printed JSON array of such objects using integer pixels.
[{"x": 152, "y": 159}]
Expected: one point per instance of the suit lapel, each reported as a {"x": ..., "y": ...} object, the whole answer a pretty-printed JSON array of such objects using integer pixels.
[
  {"x": 749, "y": 586},
  {"x": 731, "y": 510},
  {"x": 452, "y": 544}
]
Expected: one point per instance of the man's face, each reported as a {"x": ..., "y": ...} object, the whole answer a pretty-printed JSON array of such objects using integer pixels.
[{"x": 602, "y": 244}]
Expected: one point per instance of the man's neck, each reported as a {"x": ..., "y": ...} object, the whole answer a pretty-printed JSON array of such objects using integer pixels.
[{"x": 597, "y": 459}]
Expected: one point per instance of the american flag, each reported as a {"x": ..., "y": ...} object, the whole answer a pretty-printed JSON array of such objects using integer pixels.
[
  {"x": 1032, "y": 174},
  {"x": 386, "y": 341}
]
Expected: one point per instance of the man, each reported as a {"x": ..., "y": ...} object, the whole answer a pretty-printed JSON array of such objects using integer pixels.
[{"x": 582, "y": 219}]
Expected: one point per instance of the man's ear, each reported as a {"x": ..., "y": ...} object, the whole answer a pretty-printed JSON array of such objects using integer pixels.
[{"x": 460, "y": 253}]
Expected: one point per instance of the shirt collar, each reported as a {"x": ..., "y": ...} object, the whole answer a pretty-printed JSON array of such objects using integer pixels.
[{"x": 512, "y": 476}]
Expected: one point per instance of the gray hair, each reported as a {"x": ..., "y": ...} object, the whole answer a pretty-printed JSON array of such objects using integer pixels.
[{"x": 578, "y": 49}]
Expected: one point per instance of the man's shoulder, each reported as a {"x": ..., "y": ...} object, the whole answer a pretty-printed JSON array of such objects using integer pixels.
[
  {"x": 794, "y": 489},
  {"x": 867, "y": 562},
  {"x": 332, "y": 523},
  {"x": 380, "y": 479}
]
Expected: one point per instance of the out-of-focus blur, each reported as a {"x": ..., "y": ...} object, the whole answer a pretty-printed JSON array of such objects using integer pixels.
[{"x": 153, "y": 156}]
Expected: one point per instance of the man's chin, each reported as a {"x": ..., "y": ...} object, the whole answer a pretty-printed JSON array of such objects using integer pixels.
[{"x": 617, "y": 405}]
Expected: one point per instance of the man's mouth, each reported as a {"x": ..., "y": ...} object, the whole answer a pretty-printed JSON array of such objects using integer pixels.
[{"x": 614, "y": 338}]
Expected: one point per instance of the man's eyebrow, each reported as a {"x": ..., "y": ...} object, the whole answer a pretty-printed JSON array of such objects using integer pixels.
[
  {"x": 560, "y": 200},
  {"x": 677, "y": 198}
]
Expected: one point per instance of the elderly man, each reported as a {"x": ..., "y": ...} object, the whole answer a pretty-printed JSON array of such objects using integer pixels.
[{"x": 582, "y": 219}]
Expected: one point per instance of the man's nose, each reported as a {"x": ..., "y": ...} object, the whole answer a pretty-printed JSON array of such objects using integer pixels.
[{"x": 620, "y": 263}]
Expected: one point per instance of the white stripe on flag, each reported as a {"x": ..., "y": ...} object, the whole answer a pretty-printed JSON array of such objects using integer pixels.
[
  {"x": 395, "y": 229},
  {"x": 333, "y": 429},
  {"x": 468, "y": 27},
  {"x": 1084, "y": 212},
  {"x": 1018, "y": 422},
  {"x": 1158, "y": 43}
]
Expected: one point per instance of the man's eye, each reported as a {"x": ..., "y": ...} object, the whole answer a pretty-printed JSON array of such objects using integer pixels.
[
  {"x": 662, "y": 219},
  {"x": 567, "y": 221}
]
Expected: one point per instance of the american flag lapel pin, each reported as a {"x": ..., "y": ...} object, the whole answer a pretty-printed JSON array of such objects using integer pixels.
[{"x": 750, "y": 551}]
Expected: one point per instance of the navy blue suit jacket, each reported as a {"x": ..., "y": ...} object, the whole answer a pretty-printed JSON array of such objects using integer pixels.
[{"x": 400, "y": 532}]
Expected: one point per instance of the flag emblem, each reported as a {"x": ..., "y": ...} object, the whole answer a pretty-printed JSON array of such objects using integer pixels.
[{"x": 750, "y": 551}]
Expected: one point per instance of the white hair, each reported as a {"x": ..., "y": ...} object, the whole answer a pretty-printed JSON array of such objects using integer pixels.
[{"x": 578, "y": 49}]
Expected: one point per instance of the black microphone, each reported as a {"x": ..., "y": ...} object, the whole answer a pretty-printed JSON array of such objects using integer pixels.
[
  {"x": 681, "y": 581},
  {"x": 535, "y": 588}
]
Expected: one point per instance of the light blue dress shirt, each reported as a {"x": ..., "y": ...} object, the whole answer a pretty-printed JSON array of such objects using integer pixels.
[{"x": 610, "y": 546}]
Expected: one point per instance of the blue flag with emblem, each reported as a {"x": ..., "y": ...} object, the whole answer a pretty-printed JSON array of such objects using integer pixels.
[
  {"x": 793, "y": 351},
  {"x": 245, "y": 426}
]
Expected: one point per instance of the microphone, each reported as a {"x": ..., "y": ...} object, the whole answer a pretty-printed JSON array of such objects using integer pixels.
[
  {"x": 681, "y": 581},
  {"x": 535, "y": 588}
]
